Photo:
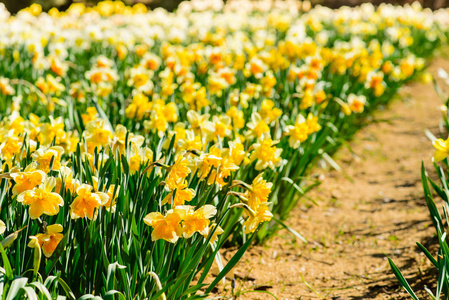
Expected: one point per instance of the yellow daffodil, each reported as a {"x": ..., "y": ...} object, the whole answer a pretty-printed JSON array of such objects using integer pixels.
[
  {"x": 257, "y": 127},
  {"x": 90, "y": 115},
  {"x": 52, "y": 131},
  {"x": 66, "y": 176},
  {"x": 260, "y": 214},
  {"x": 220, "y": 127},
  {"x": 139, "y": 156},
  {"x": 178, "y": 172},
  {"x": 312, "y": 123},
  {"x": 139, "y": 107},
  {"x": 97, "y": 134},
  {"x": 182, "y": 195},
  {"x": 258, "y": 192},
  {"x": 110, "y": 204},
  {"x": 41, "y": 199},
  {"x": 298, "y": 132},
  {"x": 218, "y": 231},
  {"x": 5, "y": 87},
  {"x": 195, "y": 220},
  {"x": 43, "y": 158},
  {"x": 166, "y": 227},
  {"x": 266, "y": 154},
  {"x": 442, "y": 149},
  {"x": 25, "y": 181},
  {"x": 356, "y": 103},
  {"x": 10, "y": 146},
  {"x": 268, "y": 111},
  {"x": 50, "y": 239},
  {"x": 87, "y": 203}
]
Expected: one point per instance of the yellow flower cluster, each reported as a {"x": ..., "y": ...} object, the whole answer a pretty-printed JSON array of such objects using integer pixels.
[{"x": 198, "y": 123}]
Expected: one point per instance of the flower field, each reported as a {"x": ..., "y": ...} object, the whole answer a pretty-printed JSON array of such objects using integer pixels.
[{"x": 135, "y": 144}]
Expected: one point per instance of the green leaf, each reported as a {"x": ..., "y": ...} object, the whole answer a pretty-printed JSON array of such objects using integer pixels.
[
  {"x": 2, "y": 282},
  {"x": 436, "y": 218},
  {"x": 402, "y": 280},
  {"x": 16, "y": 287},
  {"x": 49, "y": 281},
  {"x": 42, "y": 289},
  {"x": 432, "y": 296},
  {"x": 111, "y": 275},
  {"x": 263, "y": 292},
  {"x": 291, "y": 230},
  {"x": 194, "y": 289},
  {"x": 111, "y": 293},
  {"x": 330, "y": 161},
  {"x": 6, "y": 264},
  {"x": 66, "y": 288},
  {"x": 441, "y": 277},
  {"x": 430, "y": 135},
  {"x": 234, "y": 260},
  {"x": 437, "y": 189},
  {"x": 29, "y": 291},
  {"x": 90, "y": 296},
  {"x": 428, "y": 255}
]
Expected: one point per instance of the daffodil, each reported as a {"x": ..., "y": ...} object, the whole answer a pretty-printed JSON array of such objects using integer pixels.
[
  {"x": 312, "y": 123},
  {"x": 258, "y": 192},
  {"x": 66, "y": 177},
  {"x": 183, "y": 194},
  {"x": 191, "y": 141},
  {"x": 218, "y": 175},
  {"x": 166, "y": 227},
  {"x": 28, "y": 180},
  {"x": 298, "y": 132},
  {"x": 257, "y": 127},
  {"x": 97, "y": 134},
  {"x": 5, "y": 87},
  {"x": 236, "y": 151},
  {"x": 87, "y": 203},
  {"x": 195, "y": 220},
  {"x": 356, "y": 103},
  {"x": 258, "y": 215},
  {"x": 43, "y": 157},
  {"x": 139, "y": 156},
  {"x": 10, "y": 146},
  {"x": 376, "y": 83},
  {"x": 219, "y": 127},
  {"x": 41, "y": 199},
  {"x": 178, "y": 172},
  {"x": 266, "y": 154},
  {"x": 34, "y": 243},
  {"x": 268, "y": 111},
  {"x": 210, "y": 160},
  {"x": 121, "y": 136},
  {"x": 90, "y": 115},
  {"x": 217, "y": 230},
  {"x": 236, "y": 115},
  {"x": 139, "y": 107},
  {"x": 442, "y": 149},
  {"x": 50, "y": 239},
  {"x": 111, "y": 203},
  {"x": 196, "y": 120},
  {"x": 52, "y": 131}
]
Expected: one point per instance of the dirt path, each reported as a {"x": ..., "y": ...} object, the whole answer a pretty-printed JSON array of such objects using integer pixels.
[{"x": 380, "y": 213}]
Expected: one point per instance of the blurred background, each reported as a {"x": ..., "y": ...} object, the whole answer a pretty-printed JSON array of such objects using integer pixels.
[{"x": 16, "y": 5}]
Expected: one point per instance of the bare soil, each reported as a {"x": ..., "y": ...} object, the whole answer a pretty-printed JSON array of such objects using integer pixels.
[{"x": 372, "y": 210}]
